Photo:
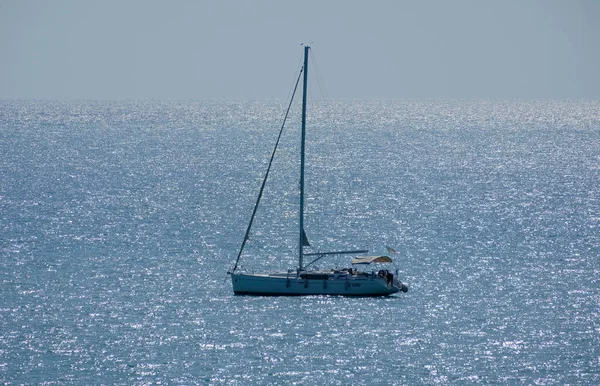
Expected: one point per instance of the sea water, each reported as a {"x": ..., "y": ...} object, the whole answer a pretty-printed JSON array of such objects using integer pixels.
[{"x": 120, "y": 219}]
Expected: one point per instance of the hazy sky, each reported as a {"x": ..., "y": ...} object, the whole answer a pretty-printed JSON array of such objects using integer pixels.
[{"x": 250, "y": 49}]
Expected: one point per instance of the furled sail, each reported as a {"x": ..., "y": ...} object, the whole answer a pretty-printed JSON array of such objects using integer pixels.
[{"x": 305, "y": 242}]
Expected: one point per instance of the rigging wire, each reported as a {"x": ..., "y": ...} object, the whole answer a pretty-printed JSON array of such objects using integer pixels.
[
  {"x": 293, "y": 89},
  {"x": 319, "y": 78},
  {"x": 327, "y": 110},
  {"x": 262, "y": 187}
]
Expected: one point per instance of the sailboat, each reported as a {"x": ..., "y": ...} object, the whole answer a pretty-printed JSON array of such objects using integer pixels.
[{"x": 302, "y": 280}]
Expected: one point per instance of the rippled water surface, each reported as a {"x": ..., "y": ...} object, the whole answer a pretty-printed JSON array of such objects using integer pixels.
[{"x": 119, "y": 220}]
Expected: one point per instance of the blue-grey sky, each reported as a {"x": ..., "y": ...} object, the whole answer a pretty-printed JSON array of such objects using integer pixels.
[{"x": 84, "y": 49}]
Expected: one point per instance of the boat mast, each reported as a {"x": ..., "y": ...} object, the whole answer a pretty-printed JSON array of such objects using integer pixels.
[{"x": 302, "y": 237}]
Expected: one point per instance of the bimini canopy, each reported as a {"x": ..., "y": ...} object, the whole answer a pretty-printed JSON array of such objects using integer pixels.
[{"x": 371, "y": 259}]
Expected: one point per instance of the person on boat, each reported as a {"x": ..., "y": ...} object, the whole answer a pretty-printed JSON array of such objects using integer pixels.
[{"x": 389, "y": 277}]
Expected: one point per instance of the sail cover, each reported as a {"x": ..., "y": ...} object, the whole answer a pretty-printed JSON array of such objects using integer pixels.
[
  {"x": 371, "y": 259},
  {"x": 305, "y": 242}
]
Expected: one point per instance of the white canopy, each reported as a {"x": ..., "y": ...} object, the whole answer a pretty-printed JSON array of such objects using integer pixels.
[{"x": 371, "y": 259}]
